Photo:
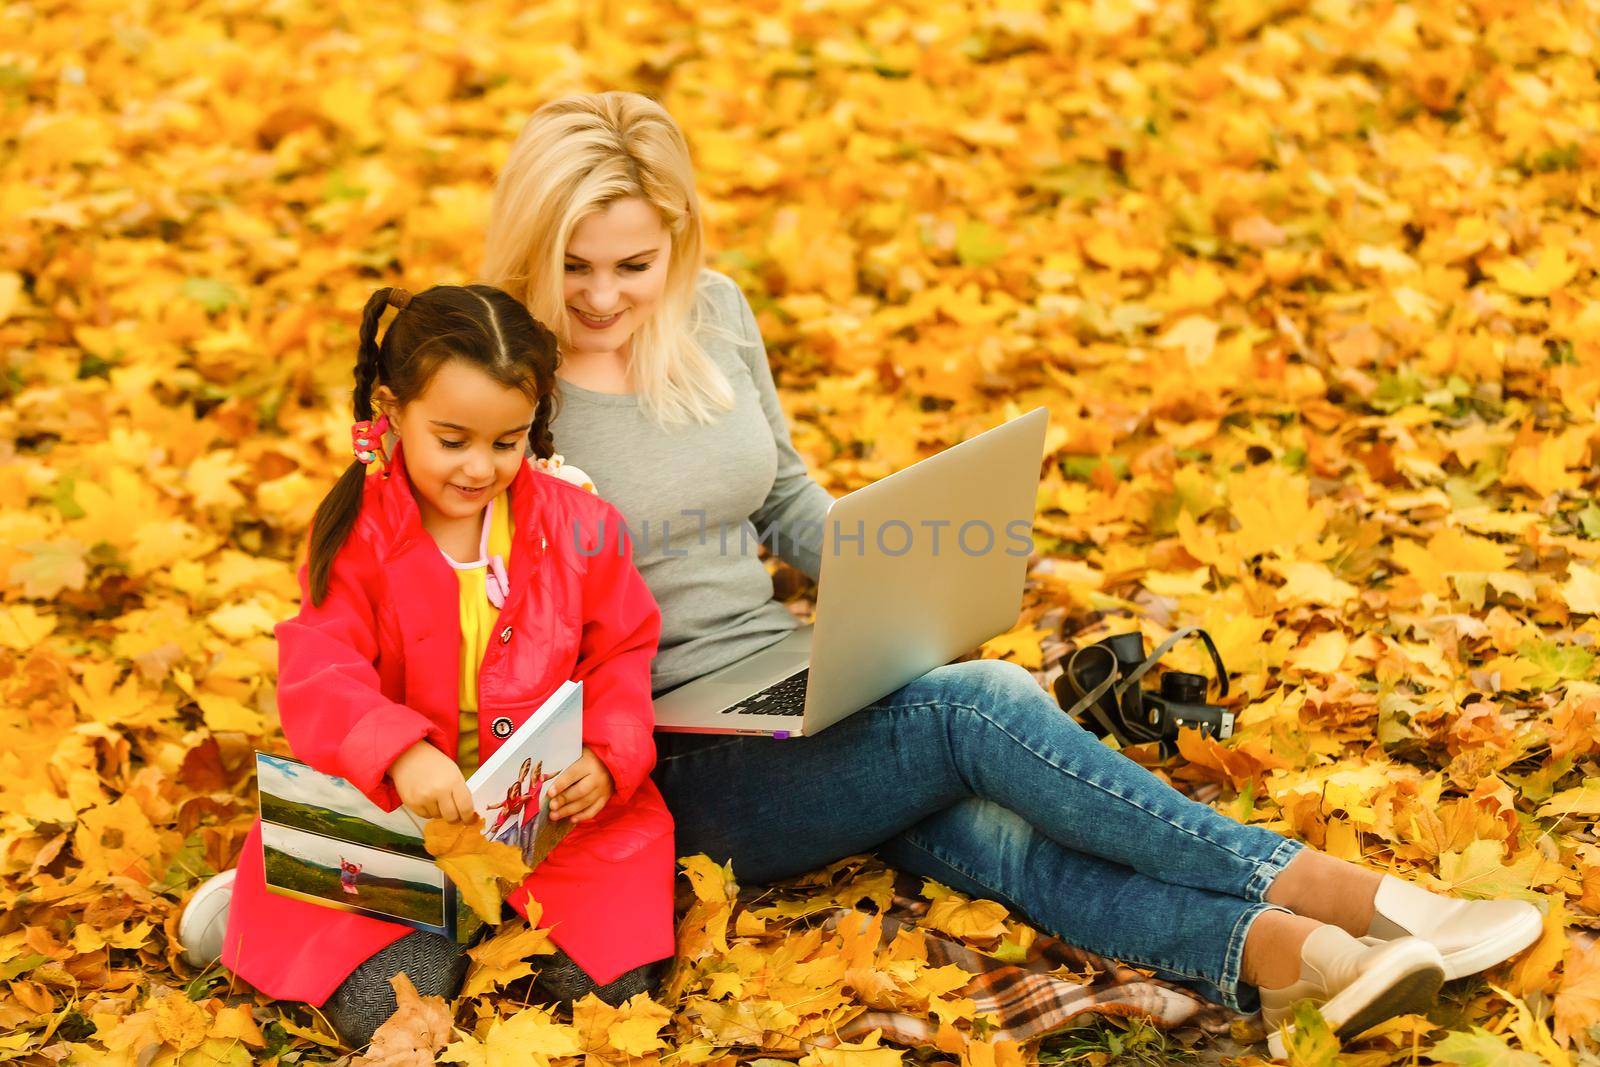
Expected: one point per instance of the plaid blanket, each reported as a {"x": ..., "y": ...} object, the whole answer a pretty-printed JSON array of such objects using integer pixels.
[{"x": 1032, "y": 998}]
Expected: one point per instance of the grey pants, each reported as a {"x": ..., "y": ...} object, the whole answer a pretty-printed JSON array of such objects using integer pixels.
[{"x": 437, "y": 966}]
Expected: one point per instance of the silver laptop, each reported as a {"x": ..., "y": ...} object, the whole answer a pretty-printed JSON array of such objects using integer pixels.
[{"x": 917, "y": 569}]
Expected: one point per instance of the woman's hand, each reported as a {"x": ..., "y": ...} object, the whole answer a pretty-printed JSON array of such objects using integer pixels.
[
  {"x": 580, "y": 791},
  {"x": 430, "y": 784}
]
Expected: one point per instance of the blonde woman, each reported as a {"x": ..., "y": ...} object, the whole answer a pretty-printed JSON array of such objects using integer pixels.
[{"x": 969, "y": 774}]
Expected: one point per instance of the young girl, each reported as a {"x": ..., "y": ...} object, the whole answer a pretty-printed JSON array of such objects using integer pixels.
[
  {"x": 400, "y": 672},
  {"x": 348, "y": 870}
]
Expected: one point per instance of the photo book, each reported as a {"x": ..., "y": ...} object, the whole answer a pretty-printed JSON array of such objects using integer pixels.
[{"x": 324, "y": 842}]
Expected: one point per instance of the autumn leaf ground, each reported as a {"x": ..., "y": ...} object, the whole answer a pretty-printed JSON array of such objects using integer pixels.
[{"x": 1309, "y": 289}]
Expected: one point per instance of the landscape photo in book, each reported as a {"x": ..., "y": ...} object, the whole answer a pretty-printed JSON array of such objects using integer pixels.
[
  {"x": 295, "y": 795},
  {"x": 352, "y": 877}
]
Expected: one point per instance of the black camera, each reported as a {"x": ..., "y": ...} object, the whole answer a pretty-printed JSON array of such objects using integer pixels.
[{"x": 1100, "y": 688}]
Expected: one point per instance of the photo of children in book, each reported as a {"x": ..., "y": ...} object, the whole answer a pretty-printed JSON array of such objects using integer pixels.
[
  {"x": 522, "y": 818},
  {"x": 293, "y": 794},
  {"x": 514, "y": 783},
  {"x": 345, "y": 875}
]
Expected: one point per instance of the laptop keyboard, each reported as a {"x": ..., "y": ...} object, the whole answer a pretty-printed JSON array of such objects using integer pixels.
[{"x": 787, "y": 697}]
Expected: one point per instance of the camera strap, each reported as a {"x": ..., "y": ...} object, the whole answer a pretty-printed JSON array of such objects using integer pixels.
[{"x": 1089, "y": 702}]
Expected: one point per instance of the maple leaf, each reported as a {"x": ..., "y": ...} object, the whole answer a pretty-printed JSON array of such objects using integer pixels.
[
  {"x": 217, "y": 1052},
  {"x": 180, "y": 1022},
  {"x": 1197, "y": 285},
  {"x": 1323, "y": 654},
  {"x": 1194, "y": 335},
  {"x": 1308, "y": 582},
  {"x": 1275, "y": 513},
  {"x": 1579, "y": 800},
  {"x": 1021, "y": 645},
  {"x": 630, "y": 1029},
  {"x": 640, "y": 1032},
  {"x": 411, "y": 1036},
  {"x": 210, "y": 479},
  {"x": 1581, "y": 590},
  {"x": 109, "y": 501},
  {"x": 236, "y": 1023},
  {"x": 1554, "y": 663},
  {"x": 22, "y": 626},
  {"x": 1478, "y": 873},
  {"x": 864, "y": 1053},
  {"x": 1184, "y": 583},
  {"x": 530, "y": 1036},
  {"x": 1552, "y": 271},
  {"x": 1536, "y": 968},
  {"x": 53, "y": 566},
  {"x": 712, "y": 883},
  {"x": 1532, "y": 1031},
  {"x": 135, "y": 1033},
  {"x": 504, "y": 957},
  {"x": 118, "y": 839},
  {"x": 1240, "y": 764},
  {"x": 954, "y": 914},
  {"x": 1477, "y": 1047},
  {"x": 977, "y": 244},
  {"x": 241, "y": 621},
  {"x": 1449, "y": 553},
  {"x": 475, "y": 864},
  {"x": 223, "y": 714},
  {"x": 998, "y": 1053},
  {"x": 1544, "y": 466},
  {"x": 1312, "y": 1043},
  {"x": 1577, "y": 1001},
  {"x": 100, "y": 698}
]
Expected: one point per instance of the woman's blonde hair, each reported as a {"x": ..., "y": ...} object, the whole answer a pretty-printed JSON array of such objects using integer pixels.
[{"x": 575, "y": 157}]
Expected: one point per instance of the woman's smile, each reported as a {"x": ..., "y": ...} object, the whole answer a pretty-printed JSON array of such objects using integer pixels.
[{"x": 595, "y": 322}]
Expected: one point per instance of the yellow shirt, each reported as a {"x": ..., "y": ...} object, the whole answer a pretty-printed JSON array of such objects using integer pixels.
[{"x": 478, "y": 618}]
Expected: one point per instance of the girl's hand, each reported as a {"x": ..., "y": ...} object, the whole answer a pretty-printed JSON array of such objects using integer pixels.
[
  {"x": 430, "y": 784},
  {"x": 580, "y": 791}
]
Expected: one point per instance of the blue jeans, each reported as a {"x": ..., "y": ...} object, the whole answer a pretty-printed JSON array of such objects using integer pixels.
[{"x": 972, "y": 775}]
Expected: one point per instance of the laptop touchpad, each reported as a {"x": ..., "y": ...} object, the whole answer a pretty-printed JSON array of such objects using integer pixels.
[{"x": 763, "y": 670}]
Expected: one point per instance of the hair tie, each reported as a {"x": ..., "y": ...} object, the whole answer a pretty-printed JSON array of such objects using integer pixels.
[
  {"x": 366, "y": 440},
  {"x": 399, "y": 297}
]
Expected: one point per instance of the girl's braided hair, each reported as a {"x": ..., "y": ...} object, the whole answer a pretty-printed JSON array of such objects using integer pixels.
[{"x": 478, "y": 324}]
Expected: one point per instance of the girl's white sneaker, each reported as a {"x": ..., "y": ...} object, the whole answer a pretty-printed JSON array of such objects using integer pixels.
[
  {"x": 1356, "y": 986},
  {"x": 204, "y": 921},
  {"x": 1471, "y": 935}
]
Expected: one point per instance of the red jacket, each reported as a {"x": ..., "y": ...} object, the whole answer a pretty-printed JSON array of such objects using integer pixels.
[{"x": 376, "y": 668}]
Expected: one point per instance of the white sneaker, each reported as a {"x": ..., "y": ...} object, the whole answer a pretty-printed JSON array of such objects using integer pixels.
[
  {"x": 204, "y": 921},
  {"x": 1356, "y": 986},
  {"x": 1471, "y": 935}
]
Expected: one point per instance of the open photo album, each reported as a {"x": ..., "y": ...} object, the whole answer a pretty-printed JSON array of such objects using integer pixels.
[{"x": 324, "y": 842}]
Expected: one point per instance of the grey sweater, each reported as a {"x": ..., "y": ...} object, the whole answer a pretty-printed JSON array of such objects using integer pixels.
[{"x": 697, "y": 499}]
